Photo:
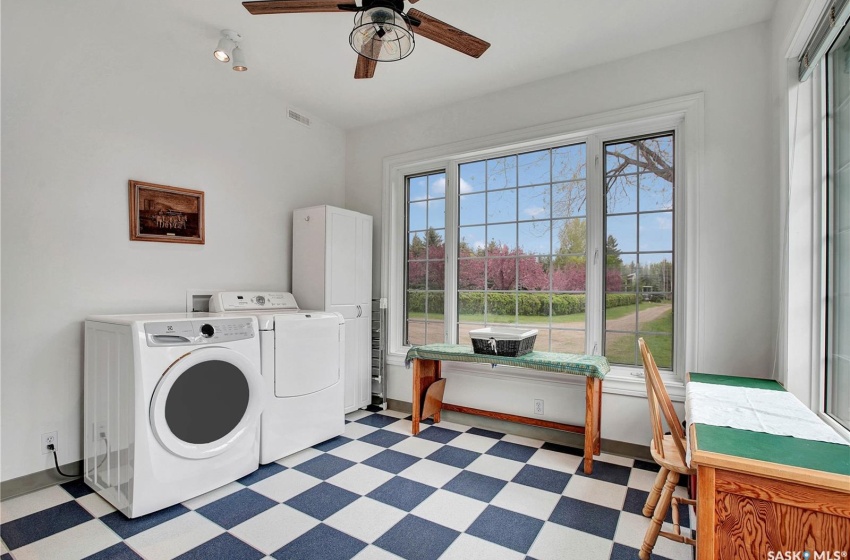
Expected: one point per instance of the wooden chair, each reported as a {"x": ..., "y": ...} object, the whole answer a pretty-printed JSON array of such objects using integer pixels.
[{"x": 669, "y": 452}]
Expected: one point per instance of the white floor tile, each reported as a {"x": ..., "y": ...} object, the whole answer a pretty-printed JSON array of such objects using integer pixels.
[
  {"x": 431, "y": 473},
  {"x": 615, "y": 459},
  {"x": 274, "y": 528},
  {"x": 395, "y": 413},
  {"x": 402, "y": 427},
  {"x": 642, "y": 480},
  {"x": 497, "y": 467},
  {"x": 472, "y": 442},
  {"x": 77, "y": 542},
  {"x": 297, "y": 458},
  {"x": 562, "y": 462},
  {"x": 526, "y": 500},
  {"x": 353, "y": 430},
  {"x": 556, "y": 542},
  {"x": 416, "y": 446},
  {"x": 357, "y": 415},
  {"x": 96, "y": 505},
  {"x": 213, "y": 495},
  {"x": 33, "y": 502},
  {"x": 356, "y": 451},
  {"x": 596, "y": 492},
  {"x": 467, "y": 547},
  {"x": 365, "y": 519},
  {"x": 285, "y": 485},
  {"x": 450, "y": 510},
  {"x": 452, "y": 426},
  {"x": 631, "y": 529},
  {"x": 374, "y": 553},
  {"x": 523, "y": 440},
  {"x": 3, "y": 548},
  {"x": 360, "y": 479},
  {"x": 174, "y": 537}
]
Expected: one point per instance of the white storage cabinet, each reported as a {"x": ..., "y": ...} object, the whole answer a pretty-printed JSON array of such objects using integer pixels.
[{"x": 332, "y": 271}]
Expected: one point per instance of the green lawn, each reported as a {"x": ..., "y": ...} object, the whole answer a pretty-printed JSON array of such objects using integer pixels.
[
  {"x": 622, "y": 348},
  {"x": 611, "y": 313}
]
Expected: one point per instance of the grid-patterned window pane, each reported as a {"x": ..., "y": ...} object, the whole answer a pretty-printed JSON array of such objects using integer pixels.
[
  {"x": 837, "y": 382},
  {"x": 639, "y": 177},
  {"x": 426, "y": 262},
  {"x": 522, "y": 245}
]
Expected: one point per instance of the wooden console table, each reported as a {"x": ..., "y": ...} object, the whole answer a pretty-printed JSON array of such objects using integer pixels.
[
  {"x": 429, "y": 387},
  {"x": 759, "y": 493}
]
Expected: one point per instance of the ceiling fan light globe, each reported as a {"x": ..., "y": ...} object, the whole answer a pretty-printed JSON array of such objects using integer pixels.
[{"x": 381, "y": 34}]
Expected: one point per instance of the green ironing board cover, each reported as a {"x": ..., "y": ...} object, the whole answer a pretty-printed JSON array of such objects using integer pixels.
[{"x": 574, "y": 364}]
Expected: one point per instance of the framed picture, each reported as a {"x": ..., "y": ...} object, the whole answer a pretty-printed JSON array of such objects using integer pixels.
[{"x": 163, "y": 213}]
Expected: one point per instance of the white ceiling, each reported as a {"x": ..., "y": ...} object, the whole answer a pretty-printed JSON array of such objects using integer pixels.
[{"x": 307, "y": 60}]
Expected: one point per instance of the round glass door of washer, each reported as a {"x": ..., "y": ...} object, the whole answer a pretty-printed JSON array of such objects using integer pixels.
[{"x": 205, "y": 402}]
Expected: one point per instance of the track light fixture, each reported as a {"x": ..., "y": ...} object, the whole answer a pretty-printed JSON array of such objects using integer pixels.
[{"x": 228, "y": 49}]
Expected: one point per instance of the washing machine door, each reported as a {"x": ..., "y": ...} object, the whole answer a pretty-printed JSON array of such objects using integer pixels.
[{"x": 206, "y": 401}]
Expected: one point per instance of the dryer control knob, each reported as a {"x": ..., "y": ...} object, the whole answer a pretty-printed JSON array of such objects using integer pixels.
[
  {"x": 207, "y": 330},
  {"x": 260, "y": 300}
]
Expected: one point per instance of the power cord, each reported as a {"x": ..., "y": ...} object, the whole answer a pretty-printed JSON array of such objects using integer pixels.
[{"x": 52, "y": 449}]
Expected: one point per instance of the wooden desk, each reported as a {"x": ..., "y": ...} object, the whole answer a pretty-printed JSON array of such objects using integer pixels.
[
  {"x": 429, "y": 387},
  {"x": 759, "y": 493}
]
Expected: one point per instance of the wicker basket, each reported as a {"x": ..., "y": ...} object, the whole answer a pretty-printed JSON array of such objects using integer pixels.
[{"x": 503, "y": 341}]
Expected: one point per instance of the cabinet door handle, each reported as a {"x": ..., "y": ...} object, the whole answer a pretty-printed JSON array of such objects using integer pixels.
[{"x": 359, "y": 311}]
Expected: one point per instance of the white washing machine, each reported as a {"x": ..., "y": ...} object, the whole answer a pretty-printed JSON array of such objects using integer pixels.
[
  {"x": 172, "y": 406},
  {"x": 302, "y": 363}
]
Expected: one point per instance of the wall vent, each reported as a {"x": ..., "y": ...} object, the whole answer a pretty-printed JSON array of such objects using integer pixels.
[{"x": 298, "y": 117}]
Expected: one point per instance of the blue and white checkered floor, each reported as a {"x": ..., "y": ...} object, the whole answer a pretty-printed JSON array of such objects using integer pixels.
[{"x": 452, "y": 492}]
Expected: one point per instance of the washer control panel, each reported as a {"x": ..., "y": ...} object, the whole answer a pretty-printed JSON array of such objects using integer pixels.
[
  {"x": 198, "y": 331},
  {"x": 251, "y": 301}
]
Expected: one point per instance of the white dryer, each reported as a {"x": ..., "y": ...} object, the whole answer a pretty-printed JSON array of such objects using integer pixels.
[
  {"x": 172, "y": 406},
  {"x": 302, "y": 364}
]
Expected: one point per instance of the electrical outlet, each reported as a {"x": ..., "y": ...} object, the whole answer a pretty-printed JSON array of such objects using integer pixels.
[
  {"x": 538, "y": 406},
  {"x": 47, "y": 439}
]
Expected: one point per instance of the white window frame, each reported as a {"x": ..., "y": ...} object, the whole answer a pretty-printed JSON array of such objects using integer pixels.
[{"x": 682, "y": 115}]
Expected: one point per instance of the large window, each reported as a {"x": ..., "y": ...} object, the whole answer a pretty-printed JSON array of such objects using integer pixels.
[
  {"x": 837, "y": 378},
  {"x": 574, "y": 239}
]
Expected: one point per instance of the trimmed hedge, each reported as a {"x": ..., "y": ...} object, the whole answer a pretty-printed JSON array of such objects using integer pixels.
[{"x": 500, "y": 303}]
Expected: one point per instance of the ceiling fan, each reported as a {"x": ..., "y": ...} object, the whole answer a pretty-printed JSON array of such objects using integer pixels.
[{"x": 382, "y": 30}]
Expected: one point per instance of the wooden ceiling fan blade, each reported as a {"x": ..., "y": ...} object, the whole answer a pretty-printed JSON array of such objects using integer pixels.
[
  {"x": 365, "y": 67},
  {"x": 448, "y": 35},
  {"x": 262, "y": 7}
]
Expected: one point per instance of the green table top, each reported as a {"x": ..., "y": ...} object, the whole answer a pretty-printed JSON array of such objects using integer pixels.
[
  {"x": 783, "y": 450},
  {"x": 574, "y": 364}
]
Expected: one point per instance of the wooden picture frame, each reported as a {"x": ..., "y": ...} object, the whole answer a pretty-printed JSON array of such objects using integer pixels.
[{"x": 165, "y": 214}]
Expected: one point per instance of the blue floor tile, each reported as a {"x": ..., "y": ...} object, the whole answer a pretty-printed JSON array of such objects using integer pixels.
[
  {"x": 332, "y": 443},
  {"x": 321, "y": 543},
  {"x": 448, "y": 455},
  {"x": 322, "y": 501},
  {"x": 506, "y": 528},
  {"x": 608, "y": 472},
  {"x": 324, "y": 466},
  {"x": 126, "y": 528},
  {"x": 485, "y": 433},
  {"x": 235, "y": 508},
  {"x": 562, "y": 449},
  {"x": 513, "y": 451},
  {"x": 544, "y": 479},
  {"x": 437, "y": 434},
  {"x": 118, "y": 551},
  {"x": 414, "y": 538},
  {"x": 583, "y": 516},
  {"x": 646, "y": 465},
  {"x": 383, "y": 438},
  {"x": 44, "y": 523},
  {"x": 224, "y": 546},
  {"x": 377, "y": 420},
  {"x": 77, "y": 488},
  {"x": 262, "y": 473},
  {"x": 391, "y": 461},
  {"x": 635, "y": 500},
  {"x": 401, "y": 493},
  {"x": 474, "y": 485}
]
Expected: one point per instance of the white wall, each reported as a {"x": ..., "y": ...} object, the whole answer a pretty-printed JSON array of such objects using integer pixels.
[
  {"x": 738, "y": 199},
  {"x": 94, "y": 94}
]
